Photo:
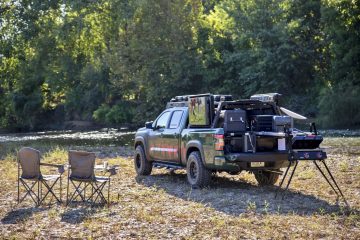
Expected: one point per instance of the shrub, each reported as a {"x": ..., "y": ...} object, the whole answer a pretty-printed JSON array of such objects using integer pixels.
[{"x": 121, "y": 113}]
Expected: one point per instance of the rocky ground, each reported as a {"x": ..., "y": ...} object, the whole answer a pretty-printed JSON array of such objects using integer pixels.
[{"x": 164, "y": 206}]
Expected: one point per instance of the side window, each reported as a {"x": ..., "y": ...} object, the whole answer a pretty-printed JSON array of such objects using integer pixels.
[
  {"x": 163, "y": 119},
  {"x": 175, "y": 119}
]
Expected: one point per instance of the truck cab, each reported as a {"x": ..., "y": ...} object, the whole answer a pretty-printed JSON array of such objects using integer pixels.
[{"x": 163, "y": 135}]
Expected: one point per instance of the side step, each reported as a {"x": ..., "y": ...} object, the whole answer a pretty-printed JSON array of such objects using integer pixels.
[{"x": 168, "y": 166}]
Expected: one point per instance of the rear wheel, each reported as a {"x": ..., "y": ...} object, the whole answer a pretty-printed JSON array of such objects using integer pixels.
[
  {"x": 142, "y": 165},
  {"x": 266, "y": 178},
  {"x": 198, "y": 176}
]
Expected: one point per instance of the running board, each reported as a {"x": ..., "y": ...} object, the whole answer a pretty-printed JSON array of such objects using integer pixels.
[{"x": 168, "y": 166}]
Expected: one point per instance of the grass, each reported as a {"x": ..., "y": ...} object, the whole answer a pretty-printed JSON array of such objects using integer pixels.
[{"x": 163, "y": 206}]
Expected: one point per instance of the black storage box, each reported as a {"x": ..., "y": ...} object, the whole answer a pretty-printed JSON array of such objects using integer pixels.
[
  {"x": 234, "y": 121},
  {"x": 263, "y": 123},
  {"x": 279, "y": 122},
  {"x": 306, "y": 142}
]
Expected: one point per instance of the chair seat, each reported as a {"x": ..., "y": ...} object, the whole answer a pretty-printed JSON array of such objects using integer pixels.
[
  {"x": 50, "y": 177},
  {"x": 29, "y": 178},
  {"x": 96, "y": 179},
  {"x": 102, "y": 179}
]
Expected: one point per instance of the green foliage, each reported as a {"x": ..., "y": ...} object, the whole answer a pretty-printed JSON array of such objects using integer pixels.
[
  {"x": 99, "y": 58},
  {"x": 121, "y": 113},
  {"x": 340, "y": 105}
]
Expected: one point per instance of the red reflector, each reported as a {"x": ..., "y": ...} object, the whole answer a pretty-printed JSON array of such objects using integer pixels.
[{"x": 219, "y": 142}]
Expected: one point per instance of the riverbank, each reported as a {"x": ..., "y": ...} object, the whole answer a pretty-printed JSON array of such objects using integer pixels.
[{"x": 163, "y": 206}]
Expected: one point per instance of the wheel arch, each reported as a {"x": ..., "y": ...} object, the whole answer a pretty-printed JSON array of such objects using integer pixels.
[
  {"x": 139, "y": 141},
  {"x": 194, "y": 146}
]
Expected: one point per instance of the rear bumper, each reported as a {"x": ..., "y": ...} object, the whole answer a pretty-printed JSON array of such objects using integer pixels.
[
  {"x": 257, "y": 157},
  {"x": 272, "y": 160},
  {"x": 308, "y": 154},
  {"x": 303, "y": 154}
]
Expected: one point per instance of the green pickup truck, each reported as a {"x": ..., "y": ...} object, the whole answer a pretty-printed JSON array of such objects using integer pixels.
[{"x": 213, "y": 133}]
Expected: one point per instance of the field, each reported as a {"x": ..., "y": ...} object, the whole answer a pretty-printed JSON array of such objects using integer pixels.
[{"x": 163, "y": 206}]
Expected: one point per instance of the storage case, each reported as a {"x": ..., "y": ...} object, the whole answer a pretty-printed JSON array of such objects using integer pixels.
[
  {"x": 279, "y": 122},
  {"x": 234, "y": 121},
  {"x": 263, "y": 123}
]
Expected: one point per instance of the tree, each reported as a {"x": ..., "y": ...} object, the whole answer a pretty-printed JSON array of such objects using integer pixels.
[{"x": 339, "y": 104}]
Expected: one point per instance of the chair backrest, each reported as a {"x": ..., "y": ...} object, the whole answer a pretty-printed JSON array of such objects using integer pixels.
[
  {"x": 82, "y": 164},
  {"x": 29, "y": 160}
]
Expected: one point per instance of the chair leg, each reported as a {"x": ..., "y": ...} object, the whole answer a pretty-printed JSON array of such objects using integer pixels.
[
  {"x": 18, "y": 180},
  {"x": 92, "y": 191},
  {"x": 67, "y": 192},
  {"x": 108, "y": 202},
  {"x": 84, "y": 191},
  {"x": 60, "y": 189},
  {"x": 49, "y": 190},
  {"x": 77, "y": 192},
  {"x": 41, "y": 193},
  {"x": 98, "y": 191},
  {"x": 29, "y": 191},
  {"x": 38, "y": 193},
  {"x": 18, "y": 185}
]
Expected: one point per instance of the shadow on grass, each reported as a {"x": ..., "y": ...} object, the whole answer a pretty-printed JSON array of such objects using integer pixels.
[
  {"x": 20, "y": 215},
  {"x": 79, "y": 214},
  {"x": 234, "y": 197}
]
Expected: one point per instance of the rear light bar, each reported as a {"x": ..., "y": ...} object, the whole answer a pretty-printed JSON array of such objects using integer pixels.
[{"x": 219, "y": 142}]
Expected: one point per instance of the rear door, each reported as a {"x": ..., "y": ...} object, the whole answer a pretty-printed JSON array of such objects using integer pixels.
[
  {"x": 171, "y": 137},
  {"x": 155, "y": 136}
]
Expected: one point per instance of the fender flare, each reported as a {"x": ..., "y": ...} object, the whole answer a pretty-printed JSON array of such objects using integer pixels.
[
  {"x": 140, "y": 139},
  {"x": 196, "y": 144}
]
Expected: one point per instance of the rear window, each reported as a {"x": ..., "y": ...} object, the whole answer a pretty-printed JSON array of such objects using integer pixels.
[{"x": 176, "y": 119}]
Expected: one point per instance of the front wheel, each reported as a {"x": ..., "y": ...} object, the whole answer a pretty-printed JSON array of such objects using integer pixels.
[
  {"x": 266, "y": 178},
  {"x": 142, "y": 165},
  {"x": 197, "y": 175}
]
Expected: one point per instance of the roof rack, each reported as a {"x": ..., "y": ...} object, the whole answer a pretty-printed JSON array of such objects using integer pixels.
[
  {"x": 182, "y": 101},
  {"x": 266, "y": 97}
]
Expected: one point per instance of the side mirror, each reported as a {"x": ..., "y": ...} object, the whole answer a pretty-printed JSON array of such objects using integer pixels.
[{"x": 149, "y": 125}]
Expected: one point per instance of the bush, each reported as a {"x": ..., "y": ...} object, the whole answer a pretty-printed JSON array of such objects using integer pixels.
[{"x": 120, "y": 113}]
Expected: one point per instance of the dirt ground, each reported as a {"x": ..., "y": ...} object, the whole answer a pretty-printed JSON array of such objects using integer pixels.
[{"x": 163, "y": 206}]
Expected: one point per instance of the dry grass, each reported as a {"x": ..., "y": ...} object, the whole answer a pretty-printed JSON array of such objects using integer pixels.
[{"x": 164, "y": 206}]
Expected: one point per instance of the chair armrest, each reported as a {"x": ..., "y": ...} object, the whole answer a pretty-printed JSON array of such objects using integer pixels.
[
  {"x": 108, "y": 169},
  {"x": 112, "y": 169},
  {"x": 99, "y": 167},
  {"x": 60, "y": 167}
]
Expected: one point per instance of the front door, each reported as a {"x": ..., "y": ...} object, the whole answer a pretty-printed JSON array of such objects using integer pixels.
[
  {"x": 155, "y": 136},
  {"x": 171, "y": 138}
]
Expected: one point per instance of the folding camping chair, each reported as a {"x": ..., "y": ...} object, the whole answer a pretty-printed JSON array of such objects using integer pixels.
[
  {"x": 81, "y": 175},
  {"x": 31, "y": 177}
]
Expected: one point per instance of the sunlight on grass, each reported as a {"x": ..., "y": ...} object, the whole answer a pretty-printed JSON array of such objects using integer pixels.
[{"x": 164, "y": 206}]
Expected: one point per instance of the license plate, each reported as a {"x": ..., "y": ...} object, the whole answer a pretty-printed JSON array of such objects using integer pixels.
[{"x": 257, "y": 164}]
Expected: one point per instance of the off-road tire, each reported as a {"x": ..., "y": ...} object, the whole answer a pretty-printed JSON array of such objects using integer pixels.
[
  {"x": 266, "y": 178},
  {"x": 197, "y": 175},
  {"x": 142, "y": 166}
]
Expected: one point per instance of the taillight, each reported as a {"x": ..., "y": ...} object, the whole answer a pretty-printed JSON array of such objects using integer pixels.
[{"x": 219, "y": 142}]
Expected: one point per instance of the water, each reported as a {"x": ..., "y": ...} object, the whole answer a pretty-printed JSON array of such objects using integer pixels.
[
  {"x": 111, "y": 140},
  {"x": 106, "y": 138},
  {"x": 65, "y": 138}
]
